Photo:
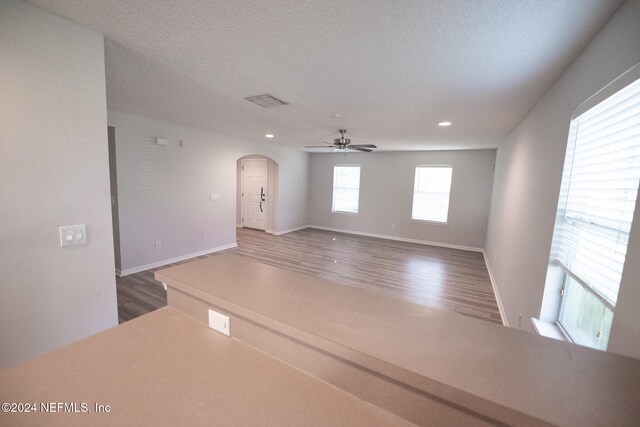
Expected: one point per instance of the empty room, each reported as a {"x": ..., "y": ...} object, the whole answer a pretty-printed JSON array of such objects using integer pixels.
[{"x": 297, "y": 212}]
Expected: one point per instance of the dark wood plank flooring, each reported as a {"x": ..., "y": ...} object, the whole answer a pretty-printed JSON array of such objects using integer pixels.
[
  {"x": 443, "y": 278},
  {"x": 139, "y": 294}
]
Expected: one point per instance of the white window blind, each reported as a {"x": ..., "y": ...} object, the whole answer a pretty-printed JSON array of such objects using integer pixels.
[
  {"x": 604, "y": 167},
  {"x": 431, "y": 189},
  {"x": 346, "y": 188},
  {"x": 595, "y": 212}
]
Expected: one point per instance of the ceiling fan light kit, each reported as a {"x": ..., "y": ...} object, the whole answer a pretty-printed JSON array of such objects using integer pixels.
[{"x": 343, "y": 143}]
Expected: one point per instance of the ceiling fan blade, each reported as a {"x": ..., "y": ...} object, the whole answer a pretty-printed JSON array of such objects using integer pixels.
[
  {"x": 359, "y": 148},
  {"x": 342, "y": 143}
]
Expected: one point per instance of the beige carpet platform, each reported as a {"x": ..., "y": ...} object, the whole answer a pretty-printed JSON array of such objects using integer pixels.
[{"x": 305, "y": 351}]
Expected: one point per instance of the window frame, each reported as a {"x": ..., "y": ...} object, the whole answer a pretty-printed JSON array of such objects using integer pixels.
[
  {"x": 333, "y": 189},
  {"x": 571, "y": 276},
  {"x": 414, "y": 191},
  {"x": 559, "y": 275}
]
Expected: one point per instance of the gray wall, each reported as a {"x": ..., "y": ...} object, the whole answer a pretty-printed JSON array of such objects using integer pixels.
[
  {"x": 527, "y": 182},
  {"x": 164, "y": 190},
  {"x": 53, "y": 172},
  {"x": 386, "y": 193}
]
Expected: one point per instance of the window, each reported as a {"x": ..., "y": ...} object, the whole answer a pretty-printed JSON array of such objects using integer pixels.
[
  {"x": 346, "y": 188},
  {"x": 431, "y": 189},
  {"x": 595, "y": 213}
]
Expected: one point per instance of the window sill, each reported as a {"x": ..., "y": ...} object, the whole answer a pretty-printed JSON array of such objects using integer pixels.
[
  {"x": 426, "y": 221},
  {"x": 549, "y": 330},
  {"x": 345, "y": 213}
]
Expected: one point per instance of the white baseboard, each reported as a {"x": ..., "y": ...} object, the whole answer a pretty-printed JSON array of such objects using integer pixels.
[
  {"x": 138, "y": 269},
  {"x": 399, "y": 239},
  {"x": 289, "y": 230},
  {"x": 505, "y": 322}
]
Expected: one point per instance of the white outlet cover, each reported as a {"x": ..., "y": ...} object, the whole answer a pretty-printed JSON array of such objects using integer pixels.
[{"x": 219, "y": 322}]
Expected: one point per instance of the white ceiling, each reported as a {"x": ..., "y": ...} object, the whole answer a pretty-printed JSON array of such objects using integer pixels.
[{"x": 392, "y": 69}]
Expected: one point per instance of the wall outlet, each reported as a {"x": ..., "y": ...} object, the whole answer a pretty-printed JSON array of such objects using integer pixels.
[
  {"x": 204, "y": 236},
  {"x": 219, "y": 322},
  {"x": 158, "y": 245}
]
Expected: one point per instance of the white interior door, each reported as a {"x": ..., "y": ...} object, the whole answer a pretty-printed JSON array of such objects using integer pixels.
[{"x": 254, "y": 193}]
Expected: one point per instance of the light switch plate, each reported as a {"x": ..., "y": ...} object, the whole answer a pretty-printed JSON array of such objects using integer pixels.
[
  {"x": 73, "y": 234},
  {"x": 219, "y": 322}
]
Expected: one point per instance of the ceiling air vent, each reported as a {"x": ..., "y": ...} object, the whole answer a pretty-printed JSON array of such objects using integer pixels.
[{"x": 266, "y": 100}]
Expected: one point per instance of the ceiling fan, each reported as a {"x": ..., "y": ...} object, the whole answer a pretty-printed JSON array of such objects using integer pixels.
[{"x": 343, "y": 143}]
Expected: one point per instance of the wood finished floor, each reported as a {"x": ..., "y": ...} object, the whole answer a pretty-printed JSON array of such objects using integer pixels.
[{"x": 443, "y": 278}]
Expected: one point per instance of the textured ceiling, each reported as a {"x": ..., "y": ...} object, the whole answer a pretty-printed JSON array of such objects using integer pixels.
[{"x": 391, "y": 69}]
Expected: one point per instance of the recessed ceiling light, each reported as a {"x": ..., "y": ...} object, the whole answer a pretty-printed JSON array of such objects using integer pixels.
[
  {"x": 337, "y": 116},
  {"x": 444, "y": 124},
  {"x": 269, "y": 135}
]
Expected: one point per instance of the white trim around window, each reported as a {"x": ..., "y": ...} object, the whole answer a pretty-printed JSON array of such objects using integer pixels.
[
  {"x": 346, "y": 189},
  {"x": 432, "y": 193},
  {"x": 595, "y": 213}
]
